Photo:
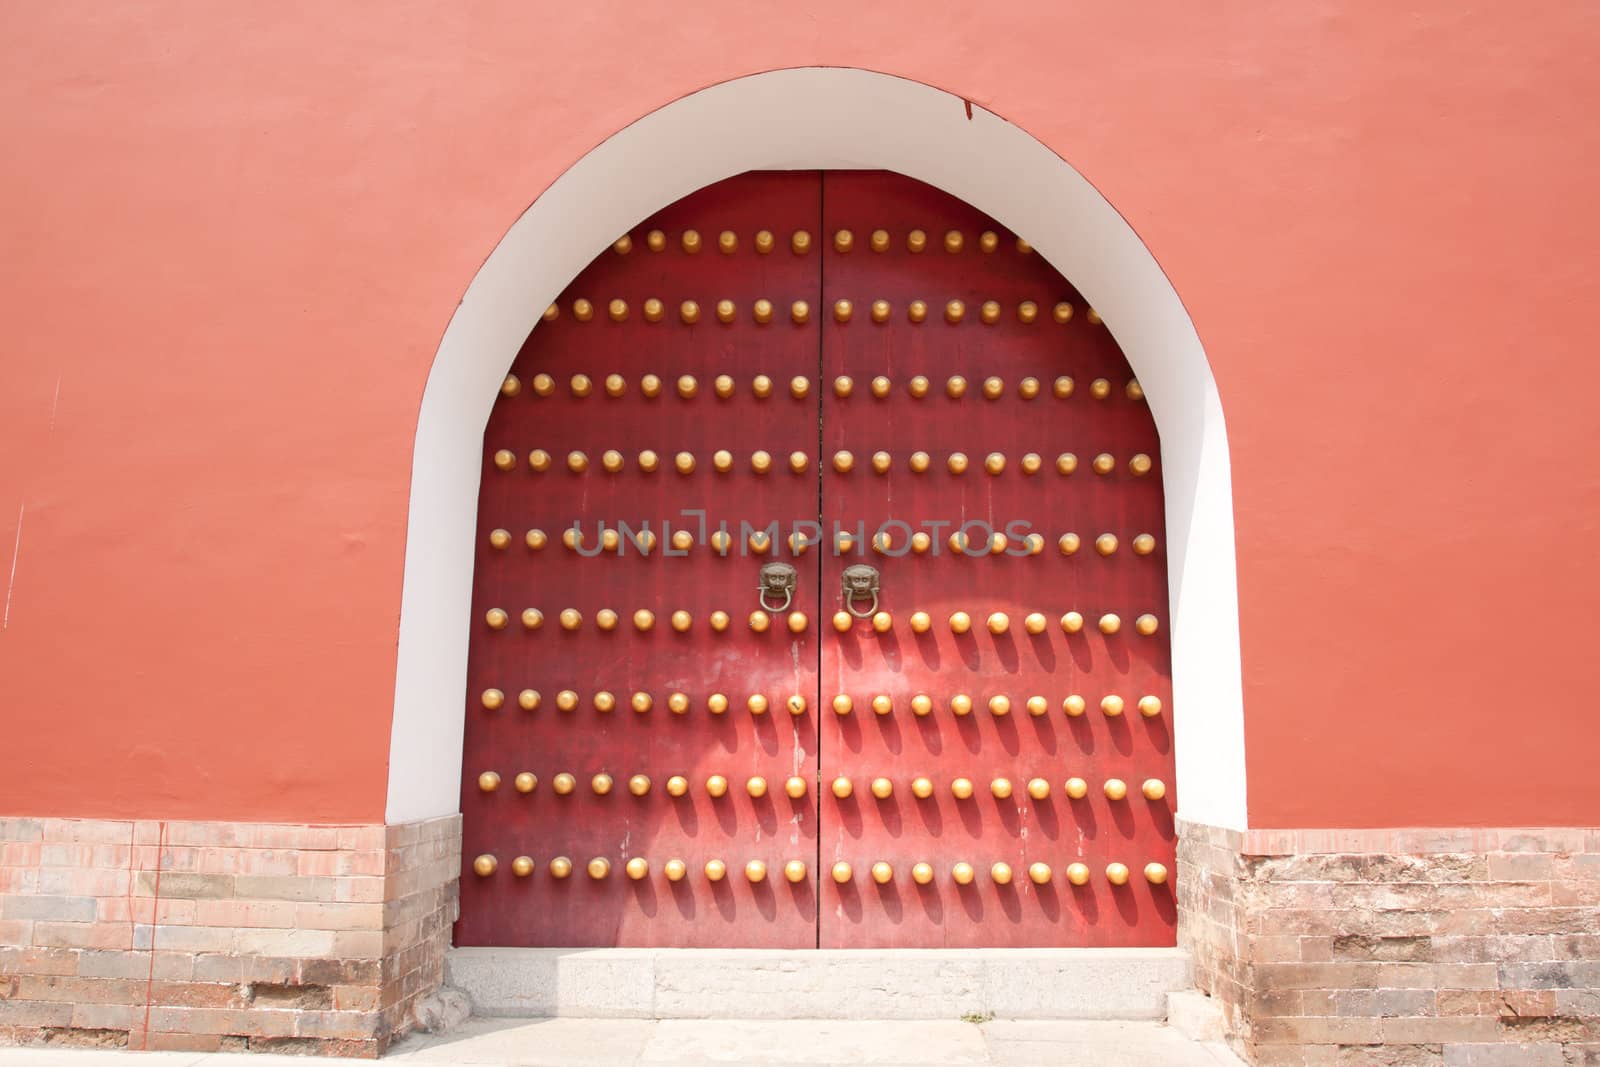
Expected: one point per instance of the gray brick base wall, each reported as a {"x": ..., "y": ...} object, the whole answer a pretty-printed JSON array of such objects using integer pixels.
[{"x": 1396, "y": 947}]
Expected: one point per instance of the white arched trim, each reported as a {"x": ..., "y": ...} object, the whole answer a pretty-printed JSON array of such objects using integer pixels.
[{"x": 820, "y": 118}]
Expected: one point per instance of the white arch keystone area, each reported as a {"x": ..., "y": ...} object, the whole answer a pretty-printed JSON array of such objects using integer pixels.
[{"x": 820, "y": 118}]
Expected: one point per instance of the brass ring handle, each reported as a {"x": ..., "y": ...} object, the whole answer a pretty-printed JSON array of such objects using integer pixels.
[
  {"x": 860, "y": 581},
  {"x": 777, "y": 578},
  {"x": 788, "y": 598},
  {"x": 850, "y": 606}
]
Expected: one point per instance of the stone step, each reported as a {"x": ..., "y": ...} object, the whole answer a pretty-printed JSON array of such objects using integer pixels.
[
  {"x": 790, "y": 1043},
  {"x": 972, "y": 984}
]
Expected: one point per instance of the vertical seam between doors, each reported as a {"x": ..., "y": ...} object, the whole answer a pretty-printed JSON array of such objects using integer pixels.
[{"x": 822, "y": 295}]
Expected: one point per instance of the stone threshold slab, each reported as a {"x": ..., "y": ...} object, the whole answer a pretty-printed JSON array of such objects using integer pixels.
[{"x": 975, "y": 984}]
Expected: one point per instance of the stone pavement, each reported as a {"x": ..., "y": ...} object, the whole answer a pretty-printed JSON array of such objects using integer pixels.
[{"x": 682, "y": 1042}]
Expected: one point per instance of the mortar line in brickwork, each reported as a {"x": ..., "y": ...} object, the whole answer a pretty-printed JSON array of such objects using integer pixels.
[
  {"x": 155, "y": 909},
  {"x": 127, "y": 893},
  {"x": 133, "y": 919}
]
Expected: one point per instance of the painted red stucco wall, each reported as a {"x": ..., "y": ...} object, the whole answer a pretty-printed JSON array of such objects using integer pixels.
[{"x": 233, "y": 234}]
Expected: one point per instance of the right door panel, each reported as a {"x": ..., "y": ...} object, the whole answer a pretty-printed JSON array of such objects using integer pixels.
[{"x": 960, "y": 344}]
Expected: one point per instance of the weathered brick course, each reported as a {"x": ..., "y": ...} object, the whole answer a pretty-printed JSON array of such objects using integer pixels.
[
  {"x": 1406, "y": 946},
  {"x": 226, "y": 935}
]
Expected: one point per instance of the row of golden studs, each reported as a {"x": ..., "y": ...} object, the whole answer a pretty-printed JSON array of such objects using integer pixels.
[
  {"x": 963, "y": 874},
  {"x": 961, "y": 704},
  {"x": 644, "y": 620},
  {"x": 564, "y": 784},
  {"x": 883, "y": 542},
  {"x": 990, "y": 312},
  {"x": 844, "y": 242},
  {"x": 844, "y": 461},
  {"x": 760, "y": 542},
  {"x": 761, "y": 386}
]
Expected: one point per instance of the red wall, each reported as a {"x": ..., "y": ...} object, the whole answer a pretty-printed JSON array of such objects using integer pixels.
[{"x": 233, "y": 237}]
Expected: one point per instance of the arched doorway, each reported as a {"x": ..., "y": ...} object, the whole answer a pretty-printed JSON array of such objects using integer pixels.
[
  {"x": 829, "y": 118},
  {"x": 819, "y": 597}
]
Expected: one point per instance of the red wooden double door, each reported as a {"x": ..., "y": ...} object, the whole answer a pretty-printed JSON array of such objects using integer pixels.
[{"x": 820, "y": 594}]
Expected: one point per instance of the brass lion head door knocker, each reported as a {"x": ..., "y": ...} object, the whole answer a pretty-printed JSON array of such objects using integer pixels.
[
  {"x": 777, "y": 579},
  {"x": 860, "y": 583}
]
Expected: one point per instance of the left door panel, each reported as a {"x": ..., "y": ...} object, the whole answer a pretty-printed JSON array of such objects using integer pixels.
[{"x": 645, "y": 413}]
